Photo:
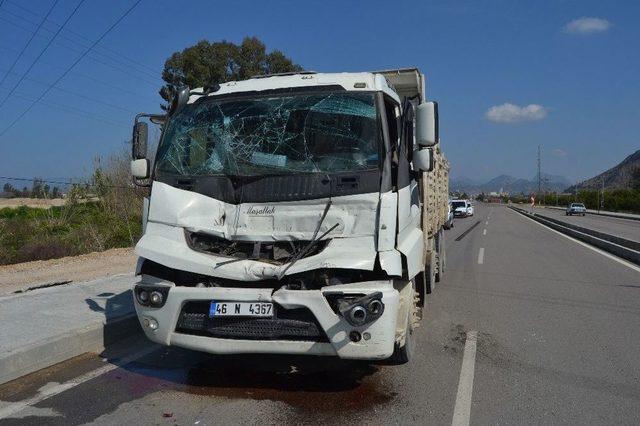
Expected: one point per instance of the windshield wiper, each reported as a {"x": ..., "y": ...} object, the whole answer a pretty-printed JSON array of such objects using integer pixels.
[{"x": 306, "y": 249}]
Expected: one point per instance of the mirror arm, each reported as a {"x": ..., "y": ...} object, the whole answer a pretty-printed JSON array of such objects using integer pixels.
[{"x": 159, "y": 117}]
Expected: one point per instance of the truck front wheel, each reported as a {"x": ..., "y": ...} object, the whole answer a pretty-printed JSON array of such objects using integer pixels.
[
  {"x": 403, "y": 352},
  {"x": 440, "y": 257}
]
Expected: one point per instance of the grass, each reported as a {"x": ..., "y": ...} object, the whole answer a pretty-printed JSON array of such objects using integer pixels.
[
  {"x": 28, "y": 233},
  {"x": 104, "y": 215}
]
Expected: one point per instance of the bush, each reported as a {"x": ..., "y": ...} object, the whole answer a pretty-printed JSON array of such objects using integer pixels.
[{"x": 96, "y": 217}]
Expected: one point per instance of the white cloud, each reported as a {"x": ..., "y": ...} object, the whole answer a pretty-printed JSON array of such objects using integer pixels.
[
  {"x": 587, "y": 25},
  {"x": 559, "y": 152},
  {"x": 510, "y": 113}
]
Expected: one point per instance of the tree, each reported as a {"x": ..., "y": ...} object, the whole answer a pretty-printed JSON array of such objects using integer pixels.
[
  {"x": 36, "y": 188},
  {"x": 207, "y": 63},
  {"x": 635, "y": 178},
  {"x": 8, "y": 188}
]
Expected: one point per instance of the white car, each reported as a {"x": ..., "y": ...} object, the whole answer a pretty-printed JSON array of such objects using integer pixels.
[{"x": 462, "y": 208}]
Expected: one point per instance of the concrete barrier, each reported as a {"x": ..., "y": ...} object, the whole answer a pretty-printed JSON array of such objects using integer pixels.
[
  {"x": 603, "y": 213},
  {"x": 43, "y": 327},
  {"x": 51, "y": 351},
  {"x": 634, "y": 245},
  {"x": 604, "y": 244}
]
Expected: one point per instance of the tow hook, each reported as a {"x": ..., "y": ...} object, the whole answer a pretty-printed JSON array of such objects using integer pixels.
[{"x": 363, "y": 310}]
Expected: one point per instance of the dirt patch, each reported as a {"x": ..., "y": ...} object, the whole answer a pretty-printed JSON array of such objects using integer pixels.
[
  {"x": 31, "y": 202},
  {"x": 81, "y": 268}
]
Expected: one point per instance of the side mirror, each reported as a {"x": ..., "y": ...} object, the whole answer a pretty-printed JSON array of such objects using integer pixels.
[
  {"x": 427, "y": 124},
  {"x": 179, "y": 100},
  {"x": 139, "y": 141},
  {"x": 423, "y": 160},
  {"x": 140, "y": 168}
]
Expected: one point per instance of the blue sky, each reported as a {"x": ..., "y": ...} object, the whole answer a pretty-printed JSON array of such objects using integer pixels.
[{"x": 570, "y": 84}]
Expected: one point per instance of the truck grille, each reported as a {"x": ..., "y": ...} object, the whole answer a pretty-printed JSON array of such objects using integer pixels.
[{"x": 287, "y": 324}]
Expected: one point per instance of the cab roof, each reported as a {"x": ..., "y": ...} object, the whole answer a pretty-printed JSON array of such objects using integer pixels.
[{"x": 395, "y": 83}]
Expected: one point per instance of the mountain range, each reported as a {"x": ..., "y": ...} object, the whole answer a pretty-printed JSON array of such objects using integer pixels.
[
  {"x": 510, "y": 184},
  {"x": 623, "y": 175}
]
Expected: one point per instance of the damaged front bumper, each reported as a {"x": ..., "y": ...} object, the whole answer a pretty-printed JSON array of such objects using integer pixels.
[{"x": 311, "y": 322}]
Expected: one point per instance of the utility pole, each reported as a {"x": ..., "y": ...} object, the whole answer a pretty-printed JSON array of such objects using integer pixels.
[
  {"x": 539, "y": 172},
  {"x": 602, "y": 201}
]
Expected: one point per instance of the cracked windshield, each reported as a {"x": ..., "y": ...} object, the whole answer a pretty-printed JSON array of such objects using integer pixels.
[{"x": 329, "y": 132}]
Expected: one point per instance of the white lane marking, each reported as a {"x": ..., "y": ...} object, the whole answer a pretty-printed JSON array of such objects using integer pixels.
[
  {"x": 481, "y": 256},
  {"x": 48, "y": 392},
  {"x": 590, "y": 247},
  {"x": 487, "y": 222},
  {"x": 484, "y": 232},
  {"x": 462, "y": 410}
]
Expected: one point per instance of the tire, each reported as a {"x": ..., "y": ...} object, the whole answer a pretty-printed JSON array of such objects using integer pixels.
[
  {"x": 443, "y": 266},
  {"x": 403, "y": 354},
  {"x": 440, "y": 254},
  {"x": 430, "y": 276}
]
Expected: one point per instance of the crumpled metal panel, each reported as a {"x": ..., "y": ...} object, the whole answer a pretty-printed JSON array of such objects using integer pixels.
[
  {"x": 291, "y": 220},
  {"x": 166, "y": 245}
]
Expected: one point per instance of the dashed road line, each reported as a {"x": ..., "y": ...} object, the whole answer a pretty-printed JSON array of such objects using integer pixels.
[
  {"x": 462, "y": 410},
  {"x": 484, "y": 232},
  {"x": 481, "y": 256}
]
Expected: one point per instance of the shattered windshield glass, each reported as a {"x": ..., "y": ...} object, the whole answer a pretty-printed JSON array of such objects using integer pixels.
[{"x": 250, "y": 136}]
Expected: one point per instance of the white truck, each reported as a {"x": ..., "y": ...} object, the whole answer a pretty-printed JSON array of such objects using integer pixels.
[{"x": 289, "y": 213}]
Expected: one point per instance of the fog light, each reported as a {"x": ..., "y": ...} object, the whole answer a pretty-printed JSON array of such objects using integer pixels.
[
  {"x": 156, "y": 297},
  {"x": 143, "y": 296},
  {"x": 354, "y": 336},
  {"x": 366, "y": 336},
  {"x": 358, "y": 315},
  {"x": 150, "y": 323},
  {"x": 375, "y": 307}
]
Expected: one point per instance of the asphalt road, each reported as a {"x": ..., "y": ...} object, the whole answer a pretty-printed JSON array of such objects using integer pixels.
[
  {"x": 625, "y": 228},
  {"x": 557, "y": 342}
]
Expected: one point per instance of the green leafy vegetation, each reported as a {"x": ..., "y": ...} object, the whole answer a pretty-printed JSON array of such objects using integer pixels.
[
  {"x": 95, "y": 217},
  {"x": 207, "y": 63}
]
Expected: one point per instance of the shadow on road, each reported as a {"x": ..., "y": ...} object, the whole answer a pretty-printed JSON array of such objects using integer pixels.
[{"x": 306, "y": 383}]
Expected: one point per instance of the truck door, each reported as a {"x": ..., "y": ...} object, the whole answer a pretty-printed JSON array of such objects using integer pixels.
[{"x": 408, "y": 190}]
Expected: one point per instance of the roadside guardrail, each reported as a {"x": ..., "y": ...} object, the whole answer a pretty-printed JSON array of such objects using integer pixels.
[
  {"x": 621, "y": 247},
  {"x": 603, "y": 213}
]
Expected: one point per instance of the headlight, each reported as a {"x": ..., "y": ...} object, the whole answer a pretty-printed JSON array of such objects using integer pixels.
[{"x": 154, "y": 296}]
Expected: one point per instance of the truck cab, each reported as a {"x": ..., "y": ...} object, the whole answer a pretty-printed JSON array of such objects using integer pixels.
[{"x": 285, "y": 215}]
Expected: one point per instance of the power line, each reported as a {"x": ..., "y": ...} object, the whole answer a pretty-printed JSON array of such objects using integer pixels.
[
  {"x": 80, "y": 95},
  {"x": 71, "y": 67},
  {"x": 144, "y": 75},
  {"x": 88, "y": 77},
  {"x": 29, "y": 42},
  {"x": 41, "y": 53},
  {"x": 69, "y": 182},
  {"x": 99, "y": 61},
  {"x": 72, "y": 110},
  {"x": 132, "y": 60}
]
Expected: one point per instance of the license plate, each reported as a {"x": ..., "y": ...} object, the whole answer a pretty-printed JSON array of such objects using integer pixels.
[{"x": 240, "y": 309}]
